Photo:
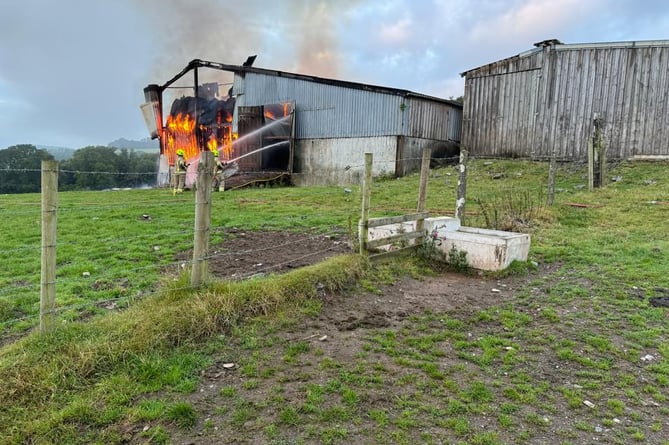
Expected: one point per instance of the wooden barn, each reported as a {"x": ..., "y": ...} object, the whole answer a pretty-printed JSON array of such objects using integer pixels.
[{"x": 547, "y": 101}]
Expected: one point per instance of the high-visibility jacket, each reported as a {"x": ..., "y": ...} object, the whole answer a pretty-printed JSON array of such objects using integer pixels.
[{"x": 180, "y": 166}]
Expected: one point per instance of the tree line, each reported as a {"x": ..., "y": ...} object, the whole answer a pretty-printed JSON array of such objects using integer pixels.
[{"x": 89, "y": 168}]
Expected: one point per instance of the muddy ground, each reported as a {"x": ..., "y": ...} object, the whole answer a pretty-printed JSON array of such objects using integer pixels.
[
  {"x": 246, "y": 253},
  {"x": 355, "y": 373},
  {"x": 338, "y": 333}
]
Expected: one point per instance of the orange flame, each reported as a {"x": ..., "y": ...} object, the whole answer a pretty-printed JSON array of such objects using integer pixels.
[
  {"x": 180, "y": 134},
  {"x": 212, "y": 143}
]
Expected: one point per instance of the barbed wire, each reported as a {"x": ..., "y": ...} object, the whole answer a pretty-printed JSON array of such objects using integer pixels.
[
  {"x": 9, "y": 290},
  {"x": 20, "y": 249},
  {"x": 84, "y": 172},
  {"x": 361, "y": 164}
]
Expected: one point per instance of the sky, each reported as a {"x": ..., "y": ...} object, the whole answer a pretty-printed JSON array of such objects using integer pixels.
[{"x": 72, "y": 72}]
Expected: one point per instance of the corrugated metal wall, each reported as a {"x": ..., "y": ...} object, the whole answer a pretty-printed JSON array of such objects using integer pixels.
[
  {"x": 547, "y": 100},
  {"x": 332, "y": 111},
  {"x": 433, "y": 120}
]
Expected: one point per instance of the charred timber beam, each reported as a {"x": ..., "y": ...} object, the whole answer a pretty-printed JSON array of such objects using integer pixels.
[{"x": 197, "y": 63}]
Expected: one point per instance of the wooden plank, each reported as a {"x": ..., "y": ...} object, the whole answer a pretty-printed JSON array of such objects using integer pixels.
[
  {"x": 626, "y": 103},
  {"x": 662, "y": 140},
  {"x": 581, "y": 120},
  {"x": 650, "y": 139},
  {"x": 407, "y": 236},
  {"x": 384, "y": 221},
  {"x": 392, "y": 254}
]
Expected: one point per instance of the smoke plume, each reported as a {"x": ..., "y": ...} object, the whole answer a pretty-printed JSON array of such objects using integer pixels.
[{"x": 302, "y": 34}]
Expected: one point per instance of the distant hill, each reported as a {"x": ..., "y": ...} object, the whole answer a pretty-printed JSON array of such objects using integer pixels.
[
  {"x": 149, "y": 145},
  {"x": 59, "y": 153}
]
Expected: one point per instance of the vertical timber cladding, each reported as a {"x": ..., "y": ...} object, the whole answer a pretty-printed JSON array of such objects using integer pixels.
[
  {"x": 547, "y": 99},
  {"x": 500, "y": 109},
  {"x": 624, "y": 85}
]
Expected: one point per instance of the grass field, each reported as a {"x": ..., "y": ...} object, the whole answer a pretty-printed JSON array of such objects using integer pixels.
[{"x": 583, "y": 332}]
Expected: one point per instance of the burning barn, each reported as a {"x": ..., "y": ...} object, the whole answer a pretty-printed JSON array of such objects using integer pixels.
[{"x": 305, "y": 129}]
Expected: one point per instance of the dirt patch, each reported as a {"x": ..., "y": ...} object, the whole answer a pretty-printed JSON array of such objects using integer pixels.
[{"x": 247, "y": 253}]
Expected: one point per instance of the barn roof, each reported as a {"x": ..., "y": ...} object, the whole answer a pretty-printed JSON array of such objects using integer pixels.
[
  {"x": 559, "y": 46},
  {"x": 243, "y": 69}
]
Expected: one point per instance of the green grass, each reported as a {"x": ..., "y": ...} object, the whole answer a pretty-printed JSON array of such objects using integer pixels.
[{"x": 575, "y": 333}]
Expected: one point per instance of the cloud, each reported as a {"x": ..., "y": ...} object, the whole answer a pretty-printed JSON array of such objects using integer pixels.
[
  {"x": 74, "y": 70},
  {"x": 396, "y": 33},
  {"x": 74, "y": 65},
  {"x": 531, "y": 21}
]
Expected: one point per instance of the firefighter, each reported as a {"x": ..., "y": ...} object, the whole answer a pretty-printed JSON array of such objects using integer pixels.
[
  {"x": 180, "y": 167},
  {"x": 222, "y": 170},
  {"x": 219, "y": 178}
]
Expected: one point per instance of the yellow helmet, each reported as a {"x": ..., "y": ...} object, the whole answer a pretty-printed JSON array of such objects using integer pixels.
[
  {"x": 180, "y": 152},
  {"x": 215, "y": 152}
]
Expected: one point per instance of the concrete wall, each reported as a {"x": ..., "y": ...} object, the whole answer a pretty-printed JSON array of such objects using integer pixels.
[{"x": 341, "y": 161}]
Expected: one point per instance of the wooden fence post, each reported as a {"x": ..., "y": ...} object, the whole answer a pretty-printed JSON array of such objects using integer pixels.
[
  {"x": 199, "y": 272},
  {"x": 462, "y": 187},
  {"x": 47, "y": 320},
  {"x": 366, "y": 197},
  {"x": 422, "y": 189},
  {"x": 597, "y": 156},
  {"x": 601, "y": 152}
]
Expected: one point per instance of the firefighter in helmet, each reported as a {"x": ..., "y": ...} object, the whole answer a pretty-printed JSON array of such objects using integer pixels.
[
  {"x": 222, "y": 170},
  {"x": 180, "y": 167}
]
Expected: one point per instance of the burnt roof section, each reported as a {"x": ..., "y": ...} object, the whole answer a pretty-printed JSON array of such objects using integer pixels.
[{"x": 242, "y": 70}]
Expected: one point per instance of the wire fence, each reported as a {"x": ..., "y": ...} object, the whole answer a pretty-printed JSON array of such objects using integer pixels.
[
  {"x": 88, "y": 285},
  {"x": 96, "y": 281}
]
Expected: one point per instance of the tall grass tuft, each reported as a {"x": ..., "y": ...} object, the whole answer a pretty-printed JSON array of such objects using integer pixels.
[
  {"x": 37, "y": 371},
  {"x": 514, "y": 211}
]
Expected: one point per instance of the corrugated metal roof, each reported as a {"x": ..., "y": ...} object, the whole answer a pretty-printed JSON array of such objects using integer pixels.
[
  {"x": 242, "y": 70},
  {"x": 570, "y": 46}
]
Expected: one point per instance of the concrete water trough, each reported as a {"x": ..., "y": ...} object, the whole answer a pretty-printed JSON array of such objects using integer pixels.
[{"x": 486, "y": 249}]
